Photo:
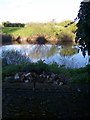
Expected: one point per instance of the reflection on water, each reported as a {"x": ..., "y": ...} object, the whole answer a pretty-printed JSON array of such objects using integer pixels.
[{"x": 70, "y": 56}]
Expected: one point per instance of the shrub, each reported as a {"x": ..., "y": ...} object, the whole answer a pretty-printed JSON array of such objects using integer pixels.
[
  {"x": 14, "y": 57},
  {"x": 41, "y": 40},
  {"x": 66, "y": 36}
]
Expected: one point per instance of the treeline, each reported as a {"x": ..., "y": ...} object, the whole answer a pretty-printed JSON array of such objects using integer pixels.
[{"x": 8, "y": 24}]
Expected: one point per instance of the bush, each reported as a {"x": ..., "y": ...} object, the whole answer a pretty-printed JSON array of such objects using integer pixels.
[
  {"x": 14, "y": 57},
  {"x": 41, "y": 40},
  {"x": 66, "y": 36}
]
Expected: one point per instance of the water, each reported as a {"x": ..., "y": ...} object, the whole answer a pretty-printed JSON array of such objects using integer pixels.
[{"x": 70, "y": 56}]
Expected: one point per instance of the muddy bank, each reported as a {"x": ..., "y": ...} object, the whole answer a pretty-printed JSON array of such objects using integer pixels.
[{"x": 36, "y": 39}]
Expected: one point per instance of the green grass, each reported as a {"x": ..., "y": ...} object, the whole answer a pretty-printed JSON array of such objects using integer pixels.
[
  {"x": 10, "y": 30},
  {"x": 17, "y": 31},
  {"x": 32, "y": 29}
]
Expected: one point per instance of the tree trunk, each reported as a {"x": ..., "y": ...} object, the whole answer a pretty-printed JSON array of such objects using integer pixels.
[
  {"x": 34, "y": 85},
  {"x": 88, "y": 54}
]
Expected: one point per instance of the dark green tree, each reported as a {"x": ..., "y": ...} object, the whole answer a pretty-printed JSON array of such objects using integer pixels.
[{"x": 83, "y": 31}]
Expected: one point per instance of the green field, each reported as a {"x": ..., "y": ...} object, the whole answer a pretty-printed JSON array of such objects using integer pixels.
[{"x": 32, "y": 29}]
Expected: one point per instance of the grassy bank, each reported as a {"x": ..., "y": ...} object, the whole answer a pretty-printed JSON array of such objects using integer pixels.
[
  {"x": 30, "y": 30},
  {"x": 60, "y": 31},
  {"x": 71, "y": 76}
]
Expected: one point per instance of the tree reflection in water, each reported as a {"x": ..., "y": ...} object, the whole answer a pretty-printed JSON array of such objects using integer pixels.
[
  {"x": 37, "y": 51},
  {"x": 40, "y": 51},
  {"x": 62, "y": 55},
  {"x": 68, "y": 51}
]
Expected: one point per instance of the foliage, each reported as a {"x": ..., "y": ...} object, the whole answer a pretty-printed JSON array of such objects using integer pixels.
[
  {"x": 66, "y": 25},
  {"x": 13, "y": 57},
  {"x": 66, "y": 31},
  {"x": 66, "y": 36},
  {"x": 83, "y": 31},
  {"x": 41, "y": 40},
  {"x": 78, "y": 76},
  {"x": 8, "y": 24}
]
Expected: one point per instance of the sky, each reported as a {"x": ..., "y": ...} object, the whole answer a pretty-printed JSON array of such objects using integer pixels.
[{"x": 25, "y": 11}]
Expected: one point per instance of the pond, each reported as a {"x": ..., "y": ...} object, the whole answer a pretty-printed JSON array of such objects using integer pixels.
[{"x": 67, "y": 55}]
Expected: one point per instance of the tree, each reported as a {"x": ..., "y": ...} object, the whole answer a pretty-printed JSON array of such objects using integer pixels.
[{"x": 83, "y": 31}]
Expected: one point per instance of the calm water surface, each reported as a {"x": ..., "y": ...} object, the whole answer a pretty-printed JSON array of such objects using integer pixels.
[{"x": 68, "y": 55}]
